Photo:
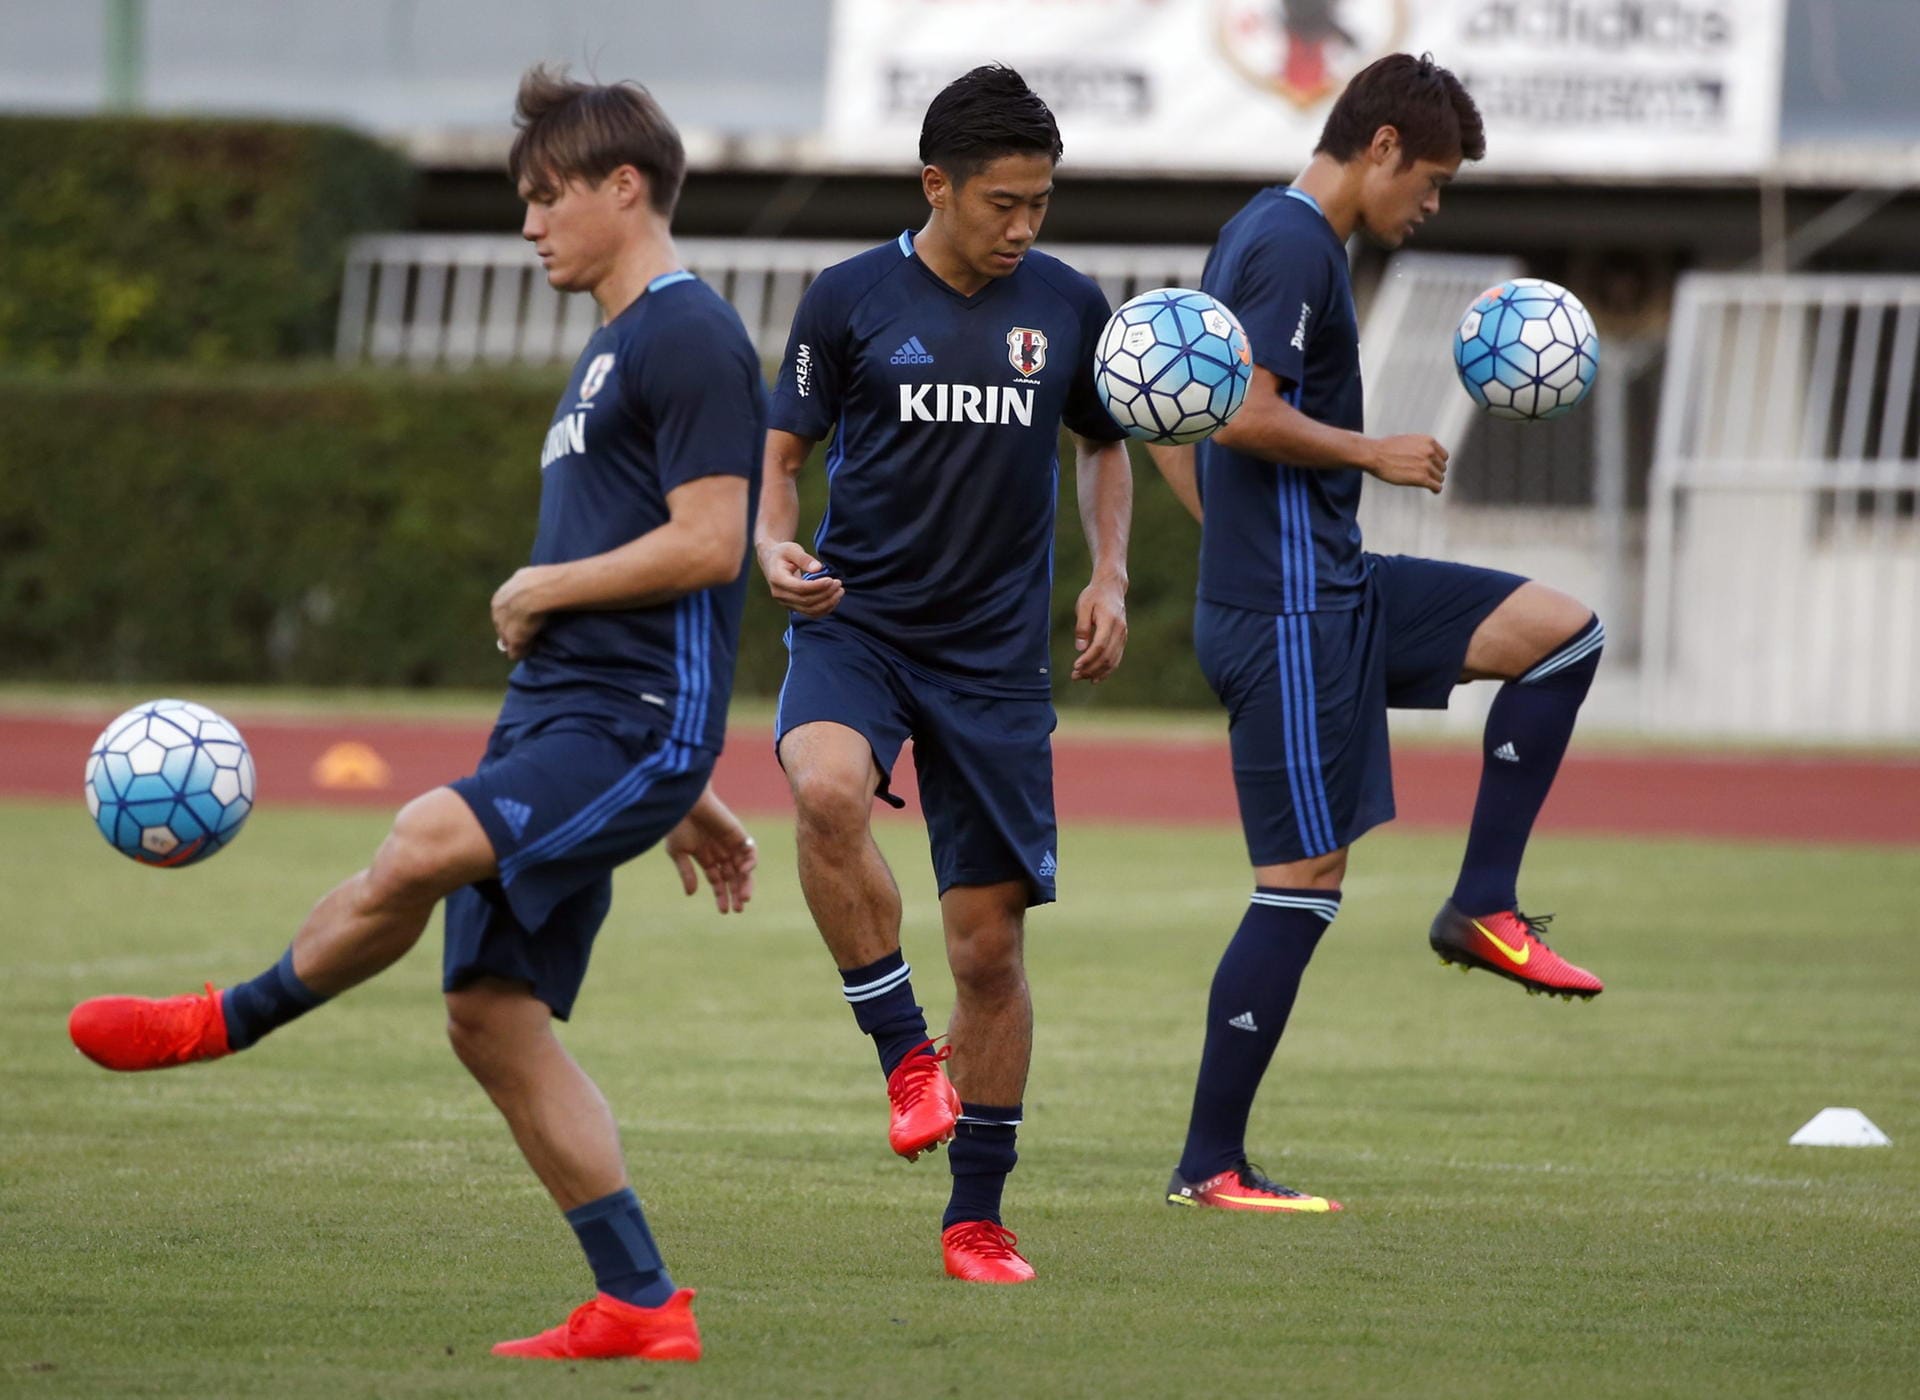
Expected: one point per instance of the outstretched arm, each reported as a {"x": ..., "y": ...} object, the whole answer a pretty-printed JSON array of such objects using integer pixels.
[
  {"x": 702, "y": 545},
  {"x": 1105, "y": 477}
]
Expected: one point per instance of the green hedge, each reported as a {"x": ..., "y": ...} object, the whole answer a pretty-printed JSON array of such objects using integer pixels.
[
  {"x": 129, "y": 239},
  {"x": 325, "y": 528}
]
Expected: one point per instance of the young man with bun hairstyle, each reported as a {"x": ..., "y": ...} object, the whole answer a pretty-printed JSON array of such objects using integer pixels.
[{"x": 623, "y": 629}]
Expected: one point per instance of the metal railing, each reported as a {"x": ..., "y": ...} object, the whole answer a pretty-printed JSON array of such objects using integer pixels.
[
  {"x": 450, "y": 301},
  {"x": 1783, "y": 556}
]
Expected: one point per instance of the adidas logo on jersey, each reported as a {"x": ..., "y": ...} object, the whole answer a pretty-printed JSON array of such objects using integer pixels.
[
  {"x": 966, "y": 403},
  {"x": 1507, "y": 753},
  {"x": 912, "y": 353},
  {"x": 1244, "y": 1022},
  {"x": 515, "y": 814},
  {"x": 1048, "y": 866}
]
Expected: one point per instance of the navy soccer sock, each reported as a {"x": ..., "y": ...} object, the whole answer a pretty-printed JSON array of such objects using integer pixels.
[
  {"x": 1253, "y": 992},
  {"x": 980, "y": 1156},
  {"x": 619, "y": 1246},
  {"x": 268, "y": 1002},
  {"x": 1528, "y": 727},
  {"x": 882, "y": 1000}
]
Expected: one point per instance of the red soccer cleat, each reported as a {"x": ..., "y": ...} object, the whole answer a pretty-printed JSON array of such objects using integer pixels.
[
  {"x": 604, "y": 1328},
  {"x": 1509, "y": 945},
  {"x": 982, "y": 1251},
  {"x": 1246, "y": 1187},
  {"x": 925, "y": 1103},
  {"x": 129, "y": 1033}
]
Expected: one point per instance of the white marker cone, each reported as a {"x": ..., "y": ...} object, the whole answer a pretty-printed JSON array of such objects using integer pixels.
[{"x": 1839, "y": 1127}]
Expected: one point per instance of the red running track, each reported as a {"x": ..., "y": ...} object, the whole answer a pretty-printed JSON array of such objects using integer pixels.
[{"x": 1790, "y": 798}]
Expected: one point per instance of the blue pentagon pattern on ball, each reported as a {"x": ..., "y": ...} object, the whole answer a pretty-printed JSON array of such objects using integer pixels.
[
  {"x": 169, "y": 783},
  {"x": 1526, "y": 350},
  {"x": 1173, "y": 365}
]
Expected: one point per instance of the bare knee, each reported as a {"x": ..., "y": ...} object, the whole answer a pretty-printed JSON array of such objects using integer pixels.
[
  {"x": 834, "y": 807},
  {"x": 489, "y": 1024},
  {"x": 986, "y": 958},
  {"x": 1533, "y": 623},
  {"x": 435, "y": 846},
  {"x": 1325, "y": 872}
]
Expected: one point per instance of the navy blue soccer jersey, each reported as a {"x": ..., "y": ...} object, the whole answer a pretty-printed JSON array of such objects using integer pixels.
[
  {"x": 1280, "y": 539},
  {"x": 945, "y": 412},
  {"x": 666, "y": 392}
]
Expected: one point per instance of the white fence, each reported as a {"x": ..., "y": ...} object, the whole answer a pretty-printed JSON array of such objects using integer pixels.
[
  {"x": 455, "y": 300},
  {"x": 1778, "y": 556},
  {"x": 1406, "y": 363},
  {"x": 1783, "y": 552}
]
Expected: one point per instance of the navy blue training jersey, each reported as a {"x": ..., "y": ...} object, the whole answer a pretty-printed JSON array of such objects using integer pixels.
[
  {"x": 945, "y": 412},
  {"x": 1280, "y": 539},
  {"x": 666, "y": 392}
]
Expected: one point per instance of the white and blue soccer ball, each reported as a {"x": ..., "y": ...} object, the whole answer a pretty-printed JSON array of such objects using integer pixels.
[
  {"x": 169, "y": 783},
  {"x": 1527, "y": 350},
  {"x": 1173, "y": 366}
]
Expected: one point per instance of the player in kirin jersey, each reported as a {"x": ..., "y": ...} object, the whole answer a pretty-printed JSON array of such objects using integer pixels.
[
  {"x": 623, "y": 627},
  {"x": 942, "y": 364}
]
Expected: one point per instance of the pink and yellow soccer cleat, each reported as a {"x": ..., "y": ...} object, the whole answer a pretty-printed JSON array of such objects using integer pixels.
[
  {"x": 132, "y": 1033},
  {"x": 1508, "y": 944},
  {"x": 924, "y": 1103},
  {"x": 604, "y": 1328},
  {"x": 1246, "y": 1187},
  {"x": 982, "y": 1251}
]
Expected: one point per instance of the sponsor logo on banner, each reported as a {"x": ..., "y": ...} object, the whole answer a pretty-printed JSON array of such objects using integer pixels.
[
  {"x": 1601, "y": 64},
  {"x": 1631, "y": 88},
  {"x": 1113, "y": 92},
  {"x": 1305, "y": 50}
]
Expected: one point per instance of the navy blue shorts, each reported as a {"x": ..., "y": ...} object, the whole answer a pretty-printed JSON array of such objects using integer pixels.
[
  {"x": 1307, "y": 696},
  {"x": 985, "y": 763},
  {"x": 563, "y": 801}
]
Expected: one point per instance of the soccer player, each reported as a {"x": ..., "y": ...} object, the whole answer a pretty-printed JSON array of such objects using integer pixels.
[
  {"x": 624, "y": 627},
  {"x": 943, "y": 362},
  {"x": 1308, "y": 639}
]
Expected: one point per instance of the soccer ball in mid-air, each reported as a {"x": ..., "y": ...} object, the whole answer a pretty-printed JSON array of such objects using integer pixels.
[
  {"x": 1173, "y": 366},
  {"x": 169, "y": 783},
  {"x": 1526, "y": 349}
]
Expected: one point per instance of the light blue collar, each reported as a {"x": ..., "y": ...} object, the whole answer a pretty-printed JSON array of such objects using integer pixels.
[
  {"x": 667, "y": 279},
  {"x": 1295, "y": 192}
]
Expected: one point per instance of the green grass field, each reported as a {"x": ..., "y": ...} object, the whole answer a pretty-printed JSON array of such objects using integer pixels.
[{"x": 1542, "y": 1198}]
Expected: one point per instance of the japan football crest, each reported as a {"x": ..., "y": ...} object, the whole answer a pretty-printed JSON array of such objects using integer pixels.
[
  {"x": 1027, "y": 350},
  {"x": 596, "y": 377}
]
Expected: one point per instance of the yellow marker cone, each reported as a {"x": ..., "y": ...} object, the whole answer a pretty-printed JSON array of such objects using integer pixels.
[{"x": 351, "y": 765}]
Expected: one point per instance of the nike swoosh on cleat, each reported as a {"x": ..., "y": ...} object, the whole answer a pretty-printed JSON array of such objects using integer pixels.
[
  {"x": 1314, "y": 1204},
  {"x": 1518, "y": 956}
]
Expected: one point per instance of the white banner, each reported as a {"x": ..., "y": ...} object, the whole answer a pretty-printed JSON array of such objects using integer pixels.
[{"x": 1619, "y": 88}]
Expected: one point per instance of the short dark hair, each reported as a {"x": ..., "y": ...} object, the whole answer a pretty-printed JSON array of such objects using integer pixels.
[
  {"x": 982, "y": 115},
  {"x": 1427, "y": 105},
  {"x": 585, "y": 131}
]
